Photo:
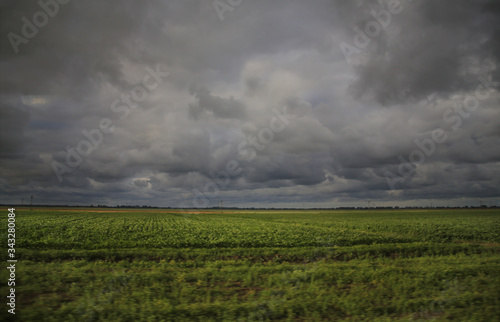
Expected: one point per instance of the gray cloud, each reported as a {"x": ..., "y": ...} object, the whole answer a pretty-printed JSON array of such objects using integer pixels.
[
  {"x": 350, "y": 123},
  {"x": 430, "y": 48},
  {"x": 208, "y": 104}
]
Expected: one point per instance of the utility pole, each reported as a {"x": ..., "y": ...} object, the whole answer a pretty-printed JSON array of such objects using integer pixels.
[
  {"x": 31, "y": 203},
  {"x": 22, "y": 201}
]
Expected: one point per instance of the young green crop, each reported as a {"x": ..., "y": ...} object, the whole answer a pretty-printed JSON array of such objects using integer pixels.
[{"x": 163, "y": 265}]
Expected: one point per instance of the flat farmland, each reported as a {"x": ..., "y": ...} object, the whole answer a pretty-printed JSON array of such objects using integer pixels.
[{"x": 107, "y": 264}]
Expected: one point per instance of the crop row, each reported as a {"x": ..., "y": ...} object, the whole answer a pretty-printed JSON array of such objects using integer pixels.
[{"x": 40, "y": 229}]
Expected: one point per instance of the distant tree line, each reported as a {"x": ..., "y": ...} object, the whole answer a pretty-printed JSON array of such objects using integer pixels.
[{"x": 258, "y": 208}]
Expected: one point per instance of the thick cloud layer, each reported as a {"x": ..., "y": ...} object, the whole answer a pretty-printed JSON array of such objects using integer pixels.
[{"x": 258, "y": 103}]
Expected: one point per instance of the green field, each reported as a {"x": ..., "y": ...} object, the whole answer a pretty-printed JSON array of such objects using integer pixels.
[{"x": 165, "y": 265}]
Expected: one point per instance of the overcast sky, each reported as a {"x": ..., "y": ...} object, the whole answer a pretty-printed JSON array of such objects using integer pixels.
[{"x": 259, "y": 103}]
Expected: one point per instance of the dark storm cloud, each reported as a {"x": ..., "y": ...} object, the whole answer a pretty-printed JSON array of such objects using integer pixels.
[
  {"x": 344, "y": 125},
  {"x": 218, "y": 106},
  {"x": 438, "y": 48},
  {"x": 12, "y": 124}
]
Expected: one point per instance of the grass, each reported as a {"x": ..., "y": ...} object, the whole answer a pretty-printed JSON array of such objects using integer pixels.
[{"x": 166, "y": 265}]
